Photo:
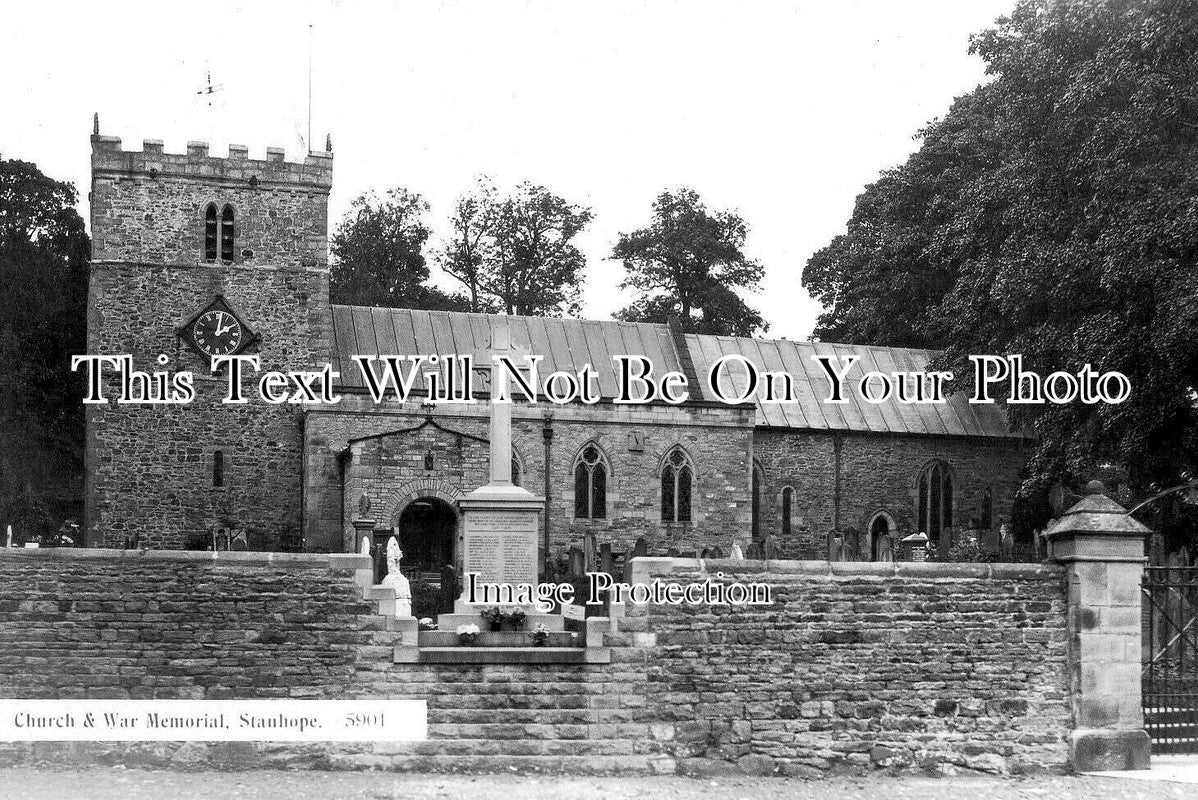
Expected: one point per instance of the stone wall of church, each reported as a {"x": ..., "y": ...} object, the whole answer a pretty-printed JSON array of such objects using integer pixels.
[
  {"x": 842, "y": 480},
  {"x": 634, "y": 440},
  {"x": 150, "y": 467}
]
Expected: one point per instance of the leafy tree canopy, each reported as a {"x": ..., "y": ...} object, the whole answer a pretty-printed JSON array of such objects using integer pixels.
[
  {"x": 44, "y": 257},
  {"x": 1051, "y": 213},
  {"x": 378, "y": 255},
  {"x": 687, "y": 263},
  {"x": 517, "y": 253}
]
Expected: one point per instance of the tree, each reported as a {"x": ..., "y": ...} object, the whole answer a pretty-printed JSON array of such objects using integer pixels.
[
  {"x": 688, "y": 263},
  {"x": 44, "y": 257},
  {"x": 516, "y": 254},
  {"x": 468, "y": 253},
  {"x": 1052, "y": 214},
  {"x": 378, "y": 257}
]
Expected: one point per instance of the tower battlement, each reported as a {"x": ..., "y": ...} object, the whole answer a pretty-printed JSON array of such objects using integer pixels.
[{"x": 315, "y": 172}]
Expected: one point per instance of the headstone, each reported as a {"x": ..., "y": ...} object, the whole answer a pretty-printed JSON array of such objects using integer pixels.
[
  {"x": 917, "y": 546},
  {"x": 736, "y": 554},
  {"x": 588, "y": 550},
  {"x": 606, "y": 563},
  {"x": 640, "y": 548},
  {"x": 769, "y": 547},
  {"x": 578, "y": 564}
]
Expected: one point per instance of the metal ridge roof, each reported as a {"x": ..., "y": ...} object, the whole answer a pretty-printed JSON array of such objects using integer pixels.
[{"x": 568, "y": 344}]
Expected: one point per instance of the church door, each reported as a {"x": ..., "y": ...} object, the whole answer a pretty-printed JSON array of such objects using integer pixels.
[
  {"x": 879, "y": 535},
  {"x": 428, "y": 528}
]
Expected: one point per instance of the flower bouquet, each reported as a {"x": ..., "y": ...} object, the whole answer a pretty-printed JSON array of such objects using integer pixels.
[{"x": 467, "y": 634}]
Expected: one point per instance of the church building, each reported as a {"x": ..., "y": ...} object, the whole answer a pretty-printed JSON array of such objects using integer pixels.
[{"x": 195, "y": 254}]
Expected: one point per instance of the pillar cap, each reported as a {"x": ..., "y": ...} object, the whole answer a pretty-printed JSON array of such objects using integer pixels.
[{"x": 1095, "y": 513}]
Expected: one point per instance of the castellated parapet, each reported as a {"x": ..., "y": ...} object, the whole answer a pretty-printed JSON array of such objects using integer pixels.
[
  {"x": 148, "y": 205},
  {"x": 314, "y": 172}
]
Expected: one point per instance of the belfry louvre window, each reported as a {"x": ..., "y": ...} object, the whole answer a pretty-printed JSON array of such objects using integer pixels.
[
  {"x": 226, "y": 234},
  {"x": 935, "y": 500},
  {"x": 677, "y": 473},
  {"x": 590, "y": 484},
  {"x": 210, "y": 233}
]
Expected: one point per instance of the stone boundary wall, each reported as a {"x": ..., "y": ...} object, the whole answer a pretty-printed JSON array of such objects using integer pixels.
[
  {"x": 854, "y": 667},
  {"x": 862, "y": 665},
  {"x": 95, "y": 623}
]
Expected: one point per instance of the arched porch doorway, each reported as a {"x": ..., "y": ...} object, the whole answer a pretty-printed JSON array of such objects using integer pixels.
[
  {"x": 428, "y": 532},
  {"x": 880, "y": 544}
]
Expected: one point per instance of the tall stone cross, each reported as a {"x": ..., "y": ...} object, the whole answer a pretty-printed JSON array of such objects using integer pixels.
[
  {"x": 499, "y": 538},
  {"x": 501, "y": 405},
  {"x": 501, "y": 409}
]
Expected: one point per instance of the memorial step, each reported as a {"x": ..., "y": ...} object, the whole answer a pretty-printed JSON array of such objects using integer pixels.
[
  {"x": 492, "y": 655},
  {"x": 499, "y": 639},
  {"x": 448, "y": 623}
]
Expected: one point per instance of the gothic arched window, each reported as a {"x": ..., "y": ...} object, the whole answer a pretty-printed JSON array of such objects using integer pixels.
[
  {"x": 211, "y": 234},
  {"x": 677, "y": 474},
  {"x": 935, "y": 500},
  {"x": 788, "y": 501},
  {"x": 758, "y": 480},
  {"x": 226, "y": 234},
  {"x": 590, "y": 483}
]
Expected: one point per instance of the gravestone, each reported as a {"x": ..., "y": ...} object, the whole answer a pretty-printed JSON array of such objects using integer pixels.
[{"x": 639, "y": 548}]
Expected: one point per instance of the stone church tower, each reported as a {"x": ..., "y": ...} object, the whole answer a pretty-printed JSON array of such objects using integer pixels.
[{"x": 192, "y": 252}]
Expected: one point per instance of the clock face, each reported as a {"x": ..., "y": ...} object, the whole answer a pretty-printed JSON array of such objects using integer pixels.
[{"x": 217, "y": 333}]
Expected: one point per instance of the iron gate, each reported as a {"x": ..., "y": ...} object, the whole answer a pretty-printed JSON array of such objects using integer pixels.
[{"x": 1170, "y": 654}]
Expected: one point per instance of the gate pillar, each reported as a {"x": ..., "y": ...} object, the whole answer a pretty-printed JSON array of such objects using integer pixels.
[{"x": 1102, "y": 549}]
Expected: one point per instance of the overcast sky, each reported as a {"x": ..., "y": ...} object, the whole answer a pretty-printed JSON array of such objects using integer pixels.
[{"x": 782, "y": 111}]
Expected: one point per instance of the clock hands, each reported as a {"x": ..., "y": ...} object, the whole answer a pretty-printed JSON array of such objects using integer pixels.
[{"x": 222, "y": 329}]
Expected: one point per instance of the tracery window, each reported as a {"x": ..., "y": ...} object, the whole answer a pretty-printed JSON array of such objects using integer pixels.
[
  {"x": 677, "y": 475},
  {"x": 590, "y": 483},
  {"x": 935, "y": 500}
]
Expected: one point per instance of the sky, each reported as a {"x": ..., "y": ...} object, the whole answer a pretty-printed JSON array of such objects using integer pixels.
[{"x": 780, "y": 111}]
